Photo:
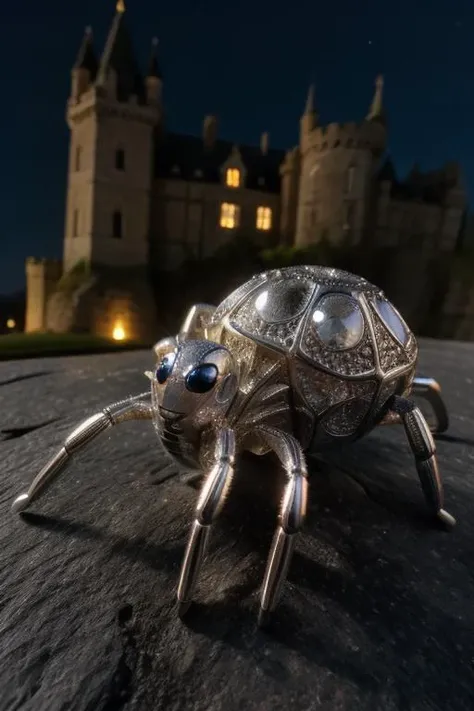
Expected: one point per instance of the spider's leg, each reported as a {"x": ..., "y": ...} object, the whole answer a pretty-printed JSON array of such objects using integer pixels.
[
  {"x": 196, "y": 321},
  {"x": 424, "y": 450},
  {"x": 133, "y": 408},
  {"x": 210, "y": 502},
  {"x": 430, "y": 390},
  {"x": 291, "y": 518}
]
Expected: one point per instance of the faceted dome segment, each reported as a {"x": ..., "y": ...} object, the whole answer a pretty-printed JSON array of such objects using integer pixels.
[
  {"x": 392, "y": 320},
  {"x": 283, "y": 300},
  {"x": 338, "y": 321}
]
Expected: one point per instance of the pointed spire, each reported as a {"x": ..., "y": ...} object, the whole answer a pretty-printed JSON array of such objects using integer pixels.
[
  {"x": 309, "y": 108},
  {"x": 309, "y": 119},
  {"x": 376, "y": 109},
  {"x": 86, "y": 57},
  {"x": 153, "y": 66},
  {"x": 118, "y": 55}
]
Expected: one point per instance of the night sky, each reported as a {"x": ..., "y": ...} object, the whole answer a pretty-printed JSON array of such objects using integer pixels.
[{"x": 247, "y": 62}]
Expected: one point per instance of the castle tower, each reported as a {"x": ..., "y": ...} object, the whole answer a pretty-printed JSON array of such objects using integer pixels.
[
  {"x": 337, "y": 167},
  {"x": 42, "y": 276},
  {"x": 112, "y": 114}
]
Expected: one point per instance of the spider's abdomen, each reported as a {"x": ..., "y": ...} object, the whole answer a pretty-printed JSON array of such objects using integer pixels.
[{"x": 330, "y": 336}]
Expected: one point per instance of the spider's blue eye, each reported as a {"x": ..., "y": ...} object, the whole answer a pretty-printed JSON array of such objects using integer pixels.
[
  {"x": 202, "y": 378},
  {"x": 164, "y": 369}
]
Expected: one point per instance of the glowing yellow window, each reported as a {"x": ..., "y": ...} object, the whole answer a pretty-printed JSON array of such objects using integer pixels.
[
  {"x": 229, "y": 215},
  {"x": 264, "y": 218},
  {"x": 232, "y": 177}
]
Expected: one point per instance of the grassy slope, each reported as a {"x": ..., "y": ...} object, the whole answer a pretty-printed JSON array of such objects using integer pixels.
[{"x": 32, "y": 345}]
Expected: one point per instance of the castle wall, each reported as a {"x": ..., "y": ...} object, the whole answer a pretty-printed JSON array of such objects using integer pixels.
[
  {"x": 337, "y": 168},
  {"x": 99, "y": 188},
  {"x": 41, "y": 278},
  {"x": 405, "y": 223},
  {"x": 186, "y": 219}
]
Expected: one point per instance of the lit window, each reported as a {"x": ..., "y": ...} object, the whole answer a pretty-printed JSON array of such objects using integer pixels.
[
  {"x": 120, "y": 159},
  {"x": 232, "y": 177},
  {"x": 75, "y": 223},
  {"x": 229, "y": 216},
  {"x": 117, "y": 226},
  {"x": 264, "y": 218},
  {"x": 78, "y": 157}
]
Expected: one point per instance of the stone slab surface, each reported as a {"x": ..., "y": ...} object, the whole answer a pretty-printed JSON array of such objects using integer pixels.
[{"x": 378, "y": 612}]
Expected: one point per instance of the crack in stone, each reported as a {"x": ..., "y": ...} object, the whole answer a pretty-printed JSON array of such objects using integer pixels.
[
  {"x": 121, "y": 687},
  {"x": 453, "y": 439},
  {"x": 15, "y": 432},
  {"x": 26, "y": 376}
]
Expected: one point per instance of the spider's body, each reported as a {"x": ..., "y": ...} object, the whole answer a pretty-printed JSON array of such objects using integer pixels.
[
  {"x": 294, "y": 360},
  {"x": 315, "y": 352}
]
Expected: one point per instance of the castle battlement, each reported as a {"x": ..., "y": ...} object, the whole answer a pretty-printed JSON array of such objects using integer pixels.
[
  {"x": 366, "y": 134},
  {"x": 43, "y": 261}
]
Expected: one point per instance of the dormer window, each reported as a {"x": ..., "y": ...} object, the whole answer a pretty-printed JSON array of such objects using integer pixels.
[
  {"x": 120, "y": 159},
  {"x": 232, "y": 178}
]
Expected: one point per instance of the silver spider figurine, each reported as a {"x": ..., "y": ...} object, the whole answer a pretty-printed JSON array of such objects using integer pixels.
[{"x": 295, "y": 360}]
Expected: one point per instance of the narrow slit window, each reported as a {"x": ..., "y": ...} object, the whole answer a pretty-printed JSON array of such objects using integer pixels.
[
  {"x": 120, "y": 159},
  {"x": 117, "y": 225}
]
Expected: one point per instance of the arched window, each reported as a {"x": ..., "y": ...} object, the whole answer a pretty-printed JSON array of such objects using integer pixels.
[
  {"x": 119, "y": 159},
  {"x": 117, "y": 225}
]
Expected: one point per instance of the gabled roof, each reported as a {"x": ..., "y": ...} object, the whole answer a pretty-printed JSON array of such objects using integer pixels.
[{"x": 189, "y": 155}]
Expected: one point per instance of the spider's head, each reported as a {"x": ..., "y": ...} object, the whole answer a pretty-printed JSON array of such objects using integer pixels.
[{"x": 193, "y": 380}]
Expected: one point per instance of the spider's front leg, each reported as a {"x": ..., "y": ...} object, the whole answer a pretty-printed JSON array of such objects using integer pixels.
[
  {"x": 133, "y": 408},
  {"x": 210, "y": 502},
  {"x": 424, "y": 449},
  {"x": 430, "y": 390},
  {"x": 291, "y": 517}
]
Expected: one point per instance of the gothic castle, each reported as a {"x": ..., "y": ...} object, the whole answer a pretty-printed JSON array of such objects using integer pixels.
[{"x": 139, "y": 194}]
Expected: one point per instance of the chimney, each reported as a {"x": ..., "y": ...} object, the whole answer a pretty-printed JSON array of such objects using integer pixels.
[
  {"x": 209, "y": 131},
  {"x": 264, "y": 140}
]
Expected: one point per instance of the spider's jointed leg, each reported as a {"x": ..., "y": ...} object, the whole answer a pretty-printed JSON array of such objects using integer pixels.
[
  {"x": 430, "y": 390},
  {"x": 133, "y": 408},
  {"x": 424, "y": 449},
  {"x": 210, "y": 502},
  {"x": 291, "y": 517}
]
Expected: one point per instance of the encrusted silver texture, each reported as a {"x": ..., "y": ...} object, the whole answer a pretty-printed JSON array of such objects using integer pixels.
[{"x": 293, "y": 361}]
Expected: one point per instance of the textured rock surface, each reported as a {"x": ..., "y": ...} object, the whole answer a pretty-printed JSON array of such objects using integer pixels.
[{"x": 377, "y": 614}]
